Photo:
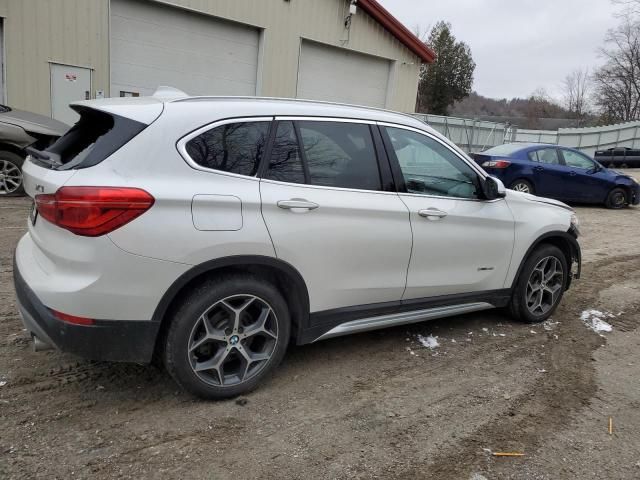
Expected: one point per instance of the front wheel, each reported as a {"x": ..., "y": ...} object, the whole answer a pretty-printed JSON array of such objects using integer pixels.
[
  {"x": 227, "y": 336},
  {"x": 522, "y": 186},
  {"x": 540, "y": 286},
  {"x": 616, "y": 199}
]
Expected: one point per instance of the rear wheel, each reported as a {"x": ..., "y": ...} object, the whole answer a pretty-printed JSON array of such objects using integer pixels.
[
  {"x": 11, "y": 174},
  {"x": 617, "y": 198},
  {"x": 227, "y": 336},
  {"x": 522, "y": 186},
  {"x": 540, "y": 286}
]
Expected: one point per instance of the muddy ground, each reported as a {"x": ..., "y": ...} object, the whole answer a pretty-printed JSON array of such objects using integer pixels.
[{"x": 376, "y": 405}]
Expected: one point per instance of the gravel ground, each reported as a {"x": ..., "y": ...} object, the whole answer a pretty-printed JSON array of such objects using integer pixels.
[{"x": 375, "y": 405}]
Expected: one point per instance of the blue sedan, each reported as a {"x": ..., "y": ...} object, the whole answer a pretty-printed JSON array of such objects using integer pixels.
[{"x": 558, "y": 172}]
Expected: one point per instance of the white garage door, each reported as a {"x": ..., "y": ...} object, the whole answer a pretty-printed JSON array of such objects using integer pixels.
[
  {"x": 340, "y": 75},
  {"x": 152, "y": 45}
]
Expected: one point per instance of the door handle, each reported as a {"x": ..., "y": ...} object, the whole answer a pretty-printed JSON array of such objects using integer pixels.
[
  {"x": 539, "y": 169},
  {"x": 572, "y": 174},
  {"x": 297, "y": 203},
  {"x": 432, "y": 213}
]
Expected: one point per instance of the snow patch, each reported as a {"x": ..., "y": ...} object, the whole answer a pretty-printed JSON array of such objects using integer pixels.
[
  {"x": 429, "y": 342},
  {"x": 594, "y": 320}
]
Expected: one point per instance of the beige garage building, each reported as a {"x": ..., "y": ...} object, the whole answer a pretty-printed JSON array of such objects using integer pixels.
[{"x": 57, "y": 51}]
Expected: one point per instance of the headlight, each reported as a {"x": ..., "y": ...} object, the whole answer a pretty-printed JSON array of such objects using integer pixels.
[{"x": 634, "y": 180}]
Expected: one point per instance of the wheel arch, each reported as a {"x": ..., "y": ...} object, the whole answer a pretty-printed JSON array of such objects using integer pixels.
[
  {"x": 286, "y": 278},
  {"x": 566, "y": 242},
  {"x": 9, "y": 147}
]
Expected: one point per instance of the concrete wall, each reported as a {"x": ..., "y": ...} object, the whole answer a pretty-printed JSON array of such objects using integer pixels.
[{"x": 76, "y": 32}]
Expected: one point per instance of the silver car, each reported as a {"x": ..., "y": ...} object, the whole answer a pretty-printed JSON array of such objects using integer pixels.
[{"x": 19, "y": 130}]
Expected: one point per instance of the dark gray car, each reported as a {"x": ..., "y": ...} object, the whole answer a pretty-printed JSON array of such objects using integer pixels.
[{"x": 18, "y": 130}]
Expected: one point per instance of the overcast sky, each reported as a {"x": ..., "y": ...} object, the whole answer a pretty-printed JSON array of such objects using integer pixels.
[{"x": 518, "y": 45}]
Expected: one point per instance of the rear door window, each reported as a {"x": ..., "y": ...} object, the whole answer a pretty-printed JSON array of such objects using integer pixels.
[
  {"x": 545, "y": 155},
  {"x": 340, "y": 155},
  {"x": 331, "y": 154},
  {"x": 233, "y": 147}
]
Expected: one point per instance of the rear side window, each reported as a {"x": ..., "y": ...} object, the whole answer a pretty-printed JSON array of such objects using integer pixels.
[
  {"x": 332, "y": 154},
  {"x": 93, "y": 138},
  {"x": 234, "y": 147}
]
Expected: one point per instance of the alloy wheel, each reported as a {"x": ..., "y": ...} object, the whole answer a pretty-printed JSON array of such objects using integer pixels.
[
  {"x": 544, "y": 285},
  {"x": 233, "y": 340},
  {"x": 521, "y": 187},
  {"x": 10, "y": 177}
]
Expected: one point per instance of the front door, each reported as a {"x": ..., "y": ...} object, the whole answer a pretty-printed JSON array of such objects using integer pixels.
[
  {"x": 327, "y": 215},
  {"x": 68, "y": 84},
  {"x": 583, "y": 181},
  {"x": 461, "y": 243}
]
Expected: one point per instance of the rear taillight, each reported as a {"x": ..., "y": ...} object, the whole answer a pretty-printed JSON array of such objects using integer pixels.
[
  {"x": 93, "y": 211},
  {"x": 496, "y": 164}
]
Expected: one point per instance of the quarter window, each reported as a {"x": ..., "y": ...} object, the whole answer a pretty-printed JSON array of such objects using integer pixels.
[
  {"x": 234, "y": 147},
  {"x": 430, "y": 168}
]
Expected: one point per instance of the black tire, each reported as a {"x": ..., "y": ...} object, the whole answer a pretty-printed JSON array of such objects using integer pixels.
[
  {"x": 522, "y": 185},
  {"x": 617, "y": 199},
  {"x": 181, "y": 359},
  {"x": 519, "y": 306},
  {"x": 11, "y": 167}
]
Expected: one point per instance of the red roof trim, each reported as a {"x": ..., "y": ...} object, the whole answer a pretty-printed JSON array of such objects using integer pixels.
[{"x": 397, "y": 29}]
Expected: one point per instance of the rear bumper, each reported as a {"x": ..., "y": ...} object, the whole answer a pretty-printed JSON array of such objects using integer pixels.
[{"x": 110, "y": 340}]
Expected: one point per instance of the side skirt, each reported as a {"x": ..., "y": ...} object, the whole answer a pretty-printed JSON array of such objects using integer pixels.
[
  {"x": 361, "y": 318},
  {"x": 384, "y": 321}
]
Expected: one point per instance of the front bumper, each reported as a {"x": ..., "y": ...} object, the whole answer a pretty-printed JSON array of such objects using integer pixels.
[
  {"x": 109, "y": 340},
  {"x": 635, "y": 195}
]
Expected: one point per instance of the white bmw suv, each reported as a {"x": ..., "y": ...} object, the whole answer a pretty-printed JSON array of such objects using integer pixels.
[{"x": 211, "y": 232}]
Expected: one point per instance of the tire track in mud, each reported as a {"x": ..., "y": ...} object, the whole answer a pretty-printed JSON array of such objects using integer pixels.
[{"x": 547, "y": 407}]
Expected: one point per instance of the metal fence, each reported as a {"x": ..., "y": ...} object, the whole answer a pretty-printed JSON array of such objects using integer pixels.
[
  {"x": 469, "y": 134},
  {"x": 587, "y": 139},
  {"x": 477, "y": 135}
]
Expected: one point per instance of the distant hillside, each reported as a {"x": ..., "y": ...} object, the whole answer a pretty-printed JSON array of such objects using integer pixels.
[{"x": 535, "y": 112}]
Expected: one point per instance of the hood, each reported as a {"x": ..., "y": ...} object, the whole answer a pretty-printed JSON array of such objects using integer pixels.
[
  {"x": 32, "y": 122},
  {"x": 533, "y": 198}
]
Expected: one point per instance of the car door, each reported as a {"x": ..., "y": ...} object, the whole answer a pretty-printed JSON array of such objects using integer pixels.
[
  {"x": 461, "y": 243},
  {"x": 548, "y": 172},
  {"x": 329, "y": 216},
  {"x": 583, "y": 183}
]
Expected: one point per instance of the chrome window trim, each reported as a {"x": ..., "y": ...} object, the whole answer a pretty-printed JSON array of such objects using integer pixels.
[
  {"x": 306, "y": 118},
  {"x": 326, "y": 187},
  {"x": 181, "y": 145}
]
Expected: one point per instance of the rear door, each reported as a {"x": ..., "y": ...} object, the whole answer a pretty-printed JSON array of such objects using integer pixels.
[
  {"x": 329, "y": 216},
  {"x": 462, "y": 244},
  {"x": 548, "y": 172}
]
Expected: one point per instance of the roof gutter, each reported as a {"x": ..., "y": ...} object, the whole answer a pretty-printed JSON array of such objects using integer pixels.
[{"x": 397, "y": 29}]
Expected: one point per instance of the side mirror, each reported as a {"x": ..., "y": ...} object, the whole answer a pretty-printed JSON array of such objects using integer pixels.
[{"x": 493, "y": 188}]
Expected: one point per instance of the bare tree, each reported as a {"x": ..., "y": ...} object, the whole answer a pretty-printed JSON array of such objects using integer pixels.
[
  {"x": 576, "y": 93},
  {"x": 617, "y": 82}
]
